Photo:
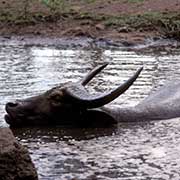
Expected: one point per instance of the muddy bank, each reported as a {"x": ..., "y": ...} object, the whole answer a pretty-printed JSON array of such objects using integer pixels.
[
  {"x": 127, "y": 21},
  {"x": 147, "y": 46}
]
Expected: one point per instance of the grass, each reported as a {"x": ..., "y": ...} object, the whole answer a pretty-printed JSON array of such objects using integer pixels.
[
  {"x": 25, "y": 13},
  {"x": 56, "y": 6},
  {"x": 135, "y": 1},
  {"x": 132, "y": 21},
  {"x": 166, "y": 24},
  {"x": 90, "y": 1}
]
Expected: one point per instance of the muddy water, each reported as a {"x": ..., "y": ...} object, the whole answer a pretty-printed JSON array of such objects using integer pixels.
[{"x": 140, "y": 151}]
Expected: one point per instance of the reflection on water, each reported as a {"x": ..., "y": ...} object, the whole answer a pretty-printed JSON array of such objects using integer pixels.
[{"x": 129, "y": 151}]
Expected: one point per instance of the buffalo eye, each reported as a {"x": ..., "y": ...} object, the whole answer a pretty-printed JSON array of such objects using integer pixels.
[{"x": 56, "y": 98}]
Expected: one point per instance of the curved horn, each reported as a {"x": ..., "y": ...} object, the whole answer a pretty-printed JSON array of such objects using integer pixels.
[
  {"x": 92, "y": 74},
  {"x": 89, "y": 101}
]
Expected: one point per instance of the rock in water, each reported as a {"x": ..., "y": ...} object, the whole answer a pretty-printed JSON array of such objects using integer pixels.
[{"x": 15, "y": 162}]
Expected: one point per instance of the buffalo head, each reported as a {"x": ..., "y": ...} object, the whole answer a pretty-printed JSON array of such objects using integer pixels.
[{"x": 69, "y": 104}]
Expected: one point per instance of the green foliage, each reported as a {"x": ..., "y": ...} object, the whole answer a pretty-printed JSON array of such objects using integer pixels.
[
  {"x": 56, "y": 6},
  {"x": 90, "y": 1},
  {"x": 133, "y": 22},
  {"x": 170, "y": 28},
  {"x": 167, "y": 25},
  {"x": 25, "y": 8},
  {"x": 135, "y": 1}
]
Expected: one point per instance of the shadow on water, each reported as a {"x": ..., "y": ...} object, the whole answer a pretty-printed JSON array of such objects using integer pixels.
[
  {"x": 138, "y": 151},
  {"x": 62, "y": 133}
]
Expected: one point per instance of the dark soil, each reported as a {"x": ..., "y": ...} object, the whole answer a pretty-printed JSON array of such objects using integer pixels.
[{"x": 131, "y": 21}]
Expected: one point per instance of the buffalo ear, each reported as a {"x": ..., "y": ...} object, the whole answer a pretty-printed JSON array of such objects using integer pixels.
[{"x": 97, "y": 118}]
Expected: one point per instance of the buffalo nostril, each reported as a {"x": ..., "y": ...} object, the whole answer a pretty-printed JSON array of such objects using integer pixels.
[{"x": 12, "y": 104}]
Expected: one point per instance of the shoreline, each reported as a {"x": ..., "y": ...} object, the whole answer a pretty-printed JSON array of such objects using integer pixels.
[
  {"x": 152, "y": 46},
  {"x": 127, "y": 22}
]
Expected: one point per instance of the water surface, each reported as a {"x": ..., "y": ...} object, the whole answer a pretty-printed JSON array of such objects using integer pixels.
[{"x": 140, "y": 151}]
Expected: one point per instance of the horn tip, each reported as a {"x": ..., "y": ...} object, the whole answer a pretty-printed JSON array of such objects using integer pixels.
[
  {"x": 105, "y": 64},
  {"x": 140, "y": 69}
]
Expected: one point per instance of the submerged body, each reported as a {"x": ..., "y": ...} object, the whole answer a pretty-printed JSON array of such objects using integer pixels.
[
  {"x": 72, "y": 105},
  {"x": 162, "y": 104}
]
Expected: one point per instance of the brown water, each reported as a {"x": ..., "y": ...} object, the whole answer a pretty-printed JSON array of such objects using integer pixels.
[{"x": 143, "y": 151}]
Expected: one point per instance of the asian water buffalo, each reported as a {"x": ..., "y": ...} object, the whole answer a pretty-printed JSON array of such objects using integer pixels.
[{"x": 71, "y": 105}]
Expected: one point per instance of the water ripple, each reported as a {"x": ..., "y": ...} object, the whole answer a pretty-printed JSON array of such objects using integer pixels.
[{"x": 140, "y": 151}]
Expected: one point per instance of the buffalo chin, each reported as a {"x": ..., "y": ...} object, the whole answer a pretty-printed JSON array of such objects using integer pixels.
[
  {"x": 11, "y": 121},
  {"x": 8, "y": 119}
]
